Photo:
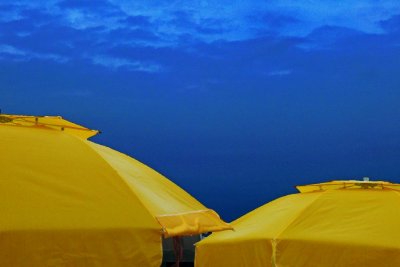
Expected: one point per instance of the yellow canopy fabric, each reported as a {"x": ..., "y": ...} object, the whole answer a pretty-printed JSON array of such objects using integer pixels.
[
  {"x": 66, "y": 201},
  {"x": 335, "y": 224}
]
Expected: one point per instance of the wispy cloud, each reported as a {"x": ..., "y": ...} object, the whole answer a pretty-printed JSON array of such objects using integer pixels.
[
  {"x": 132, "y": 65},
  {"x": 9, "y": 12},
  {"x": 10, "y": 50},
  {"x": 17, "y": 54},
  {"x": 73, "y": 93},
  {"x": 245, "y": 19},
  {"x": 63, "y": 31},
  {"x": 280, "y": 72}
]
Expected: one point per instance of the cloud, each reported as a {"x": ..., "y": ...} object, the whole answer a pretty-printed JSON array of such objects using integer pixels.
[
  {"x": 74, "y": 93},
  {"x": 93, "y": 6},
  {"x": 182, "y": 27},
  {"x": 392, "y": 24},
  {"x": 15, "y": 54},
  {"x": 245, "y": 19},
  {"x": 133, "y": 35},
  {"x": 279, "y": 72},
  {"x": 327, "y": 37},
  {"x": 335, "y": 38},
  {"x": 229, "y": 21},
  {"x": 132, "y": 65},
  {"x": 10, "y": 50},
  {"x": 86, "y": 14},
  {"x": 9, "y": 12},
  {"x": 135, "y": 21},
  {"x": 37, "y": 16}
]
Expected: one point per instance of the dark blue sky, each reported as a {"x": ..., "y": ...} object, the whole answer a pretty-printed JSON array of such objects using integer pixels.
[{"x": 235, "y": 101}]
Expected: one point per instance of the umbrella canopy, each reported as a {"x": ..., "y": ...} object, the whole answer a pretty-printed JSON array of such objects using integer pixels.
[
  {"x": 339, "y": 223},
  {"x": 66, "y": 201}
]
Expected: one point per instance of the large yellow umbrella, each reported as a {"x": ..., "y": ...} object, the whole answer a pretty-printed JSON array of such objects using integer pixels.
[
  {"x": 334, "y": 224},
  {"x": 66, "y": 201}
]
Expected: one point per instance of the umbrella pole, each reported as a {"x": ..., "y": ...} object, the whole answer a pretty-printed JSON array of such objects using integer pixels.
[{"x": 178, "y": 250}]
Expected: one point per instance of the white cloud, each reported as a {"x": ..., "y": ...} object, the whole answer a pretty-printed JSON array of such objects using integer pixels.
[
  {"x": 24, "y": 55},
  {"x": 238, "y": 20},
  {"x": 310, "y": 14},
  {"x": 80, "y": 93},
  {"x": 7, "y": 16},
  {"x": 133, "y": 65},
  {"x": 11, "y": 50},
  {"x": 231, "y": 21},
  {"x": 80, "y": 20},
  {"x": 51, "y": 57},
  {"x": 280, "y": 72}
]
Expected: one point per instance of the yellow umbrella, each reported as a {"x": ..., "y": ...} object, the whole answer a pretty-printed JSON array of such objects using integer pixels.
[
  {"x": 334, "y": 224},
  {"x": 66, "y": 201}
]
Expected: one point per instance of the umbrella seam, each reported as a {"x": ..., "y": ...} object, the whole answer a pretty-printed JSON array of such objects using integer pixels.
[
  {"x": 275, "y": 239},
  {"x": 88, "y": 144}
]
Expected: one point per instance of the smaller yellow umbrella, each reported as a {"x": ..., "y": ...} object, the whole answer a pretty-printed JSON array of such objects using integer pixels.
[{"x": 333, "y": 224}]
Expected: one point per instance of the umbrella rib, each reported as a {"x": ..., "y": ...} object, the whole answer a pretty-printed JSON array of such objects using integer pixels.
[
  {"x": 90, "y": 144},
  {"x": 298, "y": 214},
  {"x": 275, "y": 239}
]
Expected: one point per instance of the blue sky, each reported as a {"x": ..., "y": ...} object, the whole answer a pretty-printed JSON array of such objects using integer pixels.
[{"x": 236, "y": 101}]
